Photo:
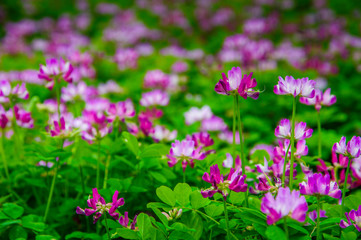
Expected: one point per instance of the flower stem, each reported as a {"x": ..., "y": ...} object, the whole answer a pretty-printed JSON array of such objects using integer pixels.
[
  {"x": 3, "y": 155},
  {"x": 285, "y": 227},
  {"x": 285, "y": 165},
  {"x": 318, "y": 218},
  {"x": 234, "y": 126},
  {"x": 292, "y": 141},
  {"x": 226, "y": 219},
  {"x": 243, "y": 159},
  {"x": 106, "y": 225},
  {"x": 98, "y": 166},
  {"x": 345, "y": 187},
  {"x": 184, "y": 177},
  {"x": 319, "y": 135},
  {"x": 51, "y": 189},
  {"x": 17, "y": 144},
  {"x": 58, "y": 98},
  {"x": 106, "y": 172}
]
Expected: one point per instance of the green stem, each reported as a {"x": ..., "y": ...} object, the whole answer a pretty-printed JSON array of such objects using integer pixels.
[
  {"x": 318, "y": 218},
  {"x": 234, "y": 126},
  {"x": 17, "y": 145},
  {"x": 226, "y": 218},
  {"x": 285, "y": 165},
  {"x": 3, "y": 155},
  {"x": 319, "y": 135},
  {"x": 184, "y": 177},
  {"x": 82, "y": 179},
  {"x": 58, "y": 94},
  {"x": 243, "y": 159},
  {"x": 293, "y": 141},
  {"x": 345, "y": 187},
  {"x": 286, "y": 227},
  {"x": 106, "y": 225},
  {"x": 98, "y": 166},
  {"x": 51, "y": 190},
  {"x": 106, "y": 172}
]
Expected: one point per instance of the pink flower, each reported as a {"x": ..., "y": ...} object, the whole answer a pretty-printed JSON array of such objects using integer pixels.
[
  {"x": 352, "y": 149},
  {"x": 124, "y": 221},
  {"x": 162, "y": 134},
  {"x": 185, "y": 152},
  {"x": 55, "y": 69},
  {"x": 80, "y": 91},
  {"x": 213, "y": 124},
  {"x": 353, "y": 218},
  {"x": 201, "y": 139},
  {"x": 109, "y": 87},
  {"x": 23, "y": 118},
  {"x": 318, "y": 184},
  {"x": 145, "y": 124},
  {"x": 295, "y": 87},
  {"x": 121, "y": 110},
  {"x": 179, "y": 67},
  {"x": 237, "y": 83},
  {"x": 195, "y": 114},
  {"x": 286, "y": 203},
  {"x": 126, "y": 58},
  {"x": 6, "y": 92},
  {"x": 98, "y": 206},
  {"x": 320, "y": 99},
  {"x": 156, "y": 79},
  {"x": 313, "y": 215},
  {"x": 235, "y": 182},
  {"x": 284, "y": 130},
  {"x": 60, "y": 129},
  {"x": 95, "y": 126},
  {"x": 153, "y": 98},
  {"x": 228, "y": 162},
  {"x": 280, "y": 151}
]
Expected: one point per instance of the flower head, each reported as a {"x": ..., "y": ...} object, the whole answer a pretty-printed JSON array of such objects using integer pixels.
[
  {"x": 286, "y": 203},
  {"x": 153, "y": 98},
  {"x": 295, "y": 87},
  {"x": 318, "y": 184},
  {"x": 185, "y": 152},
  {"x": 55, "y": 68},
  {"x": 352, "y": 149},
  {"x": 234, "y": 182},
  {"x": 124, "y": 221},
  {"x": 283, "y": 130},
  {"x": 236, "y": 83},
  {"x": 6, "y": 92},
  {"x": 320, "y": 99},
  {"x": 121, "y": 110},
  {"x": 353, "y": 218},
  {"x": 60, "y": 129},
  {"x": 98, "y": 206}
]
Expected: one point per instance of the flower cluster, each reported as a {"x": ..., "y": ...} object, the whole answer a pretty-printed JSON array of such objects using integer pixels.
[
  {"x": 295, "y": 87},
  {"x": 353, "y": 218},
  {"x": 318, "y": 184}
]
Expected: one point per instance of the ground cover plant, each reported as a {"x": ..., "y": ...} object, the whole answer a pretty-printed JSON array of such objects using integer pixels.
[{"x": 154, "y": 119}]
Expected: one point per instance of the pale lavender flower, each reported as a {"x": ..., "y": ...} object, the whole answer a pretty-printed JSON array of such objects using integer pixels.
[
  {"x": 295, "y": 87},
  {"x": 156, "y": 79},
  {"x": 126, "y": 58},
  {"x": 352, "y": 149},
  {"x": 153, "y": 98},
  {"x": 55, "y": 69},
  {"x": 6, "y": 92},
  {"x": 162, "y": 134},
  {"x": 109, "y": 87},
  {"x": 283, "y": 130},
  {"x": 195, "y": 114},
  {"x": 213, "y": 124},
  {"x": 320, "y": 99},
  {"x": 121, "y": 110},
  {"x": 80, "y": 91}
]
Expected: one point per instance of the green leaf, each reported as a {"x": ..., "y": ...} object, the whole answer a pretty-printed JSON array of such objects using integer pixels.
[
  {"x": 213, "y": 210},
  {"x": 144, "y": 225},
  {"x": 348, "y": 236},
  {"x": 297, "y": 227},
  {"x": 182, "y": 192},
  {"x": 82, "y": 235},
  {"x": 153, "y": 151},
  {"x": 158, "y": 176},
  {"x": 3, "y": 216},
  {"x": 274, "y": 232},
  {"x": 33, "y": 222},
  {"x": 160, "y": 215},
  {"x": 198, "y": 201},
  {"x": 259, "y": 155},
  {"x": 45, "y": 237},
  {"x": 127, "y": 233},
  {"x": 12, "y": 210},
  {"x": 352, "y": 202},
  {"x": 237, "y": 197},
  {"x": 131, "y": 142},
  {"x": 194, "y": 221},
  {"x": 17, "y": 232},
  {"x": 180, "y": 235},
  {"x": 166, "y": 195}
]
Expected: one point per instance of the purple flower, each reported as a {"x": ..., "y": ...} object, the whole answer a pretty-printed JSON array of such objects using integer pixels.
[
  {"x": 320, "y": 99},
  {"x": 98, "y": 206},
  {"x": 313, "y": 215},
  {"x": 126, "y": 58},
  {"x": 23, "y": 118},
  {"x": 195, "y": 114},
  {"x": 228, "y": 162},
  {"x": 318, "y": 184},
  {"x": 201, "y": 139},
  {"x": 94, "y": 126},
  {"x": 80, "y": 91},
  {"x": 285, "y": 204},
  {"x": 124, "y": 221},
  {"x": 156, "y": 79},
  {"x": 121, "y": 110},
  {"x": 60, "y": 129},
  {"x": 6, "y": 92},
  {"x": 109, "y": 87},
  {"x": 54, "y": 69},
  {"x": 352, "y": 149},
  {"x": 213, "y": 124},
  {"x": 145, "y": 124},
  {"x": 237, "y": 83},
  {"x": 185, "y": 152},
  {"x": 284, "y": 130},
  {"x": 153, "y": 98},
  {"x": 162, "y": 134},
  {"x": 295, "y": 87},
  {"x": 353, "y": 218},
  {"x": 280, "y": 151},
  {"x": 179, "y": 67},
  {"x": 234, "y": 182}
]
